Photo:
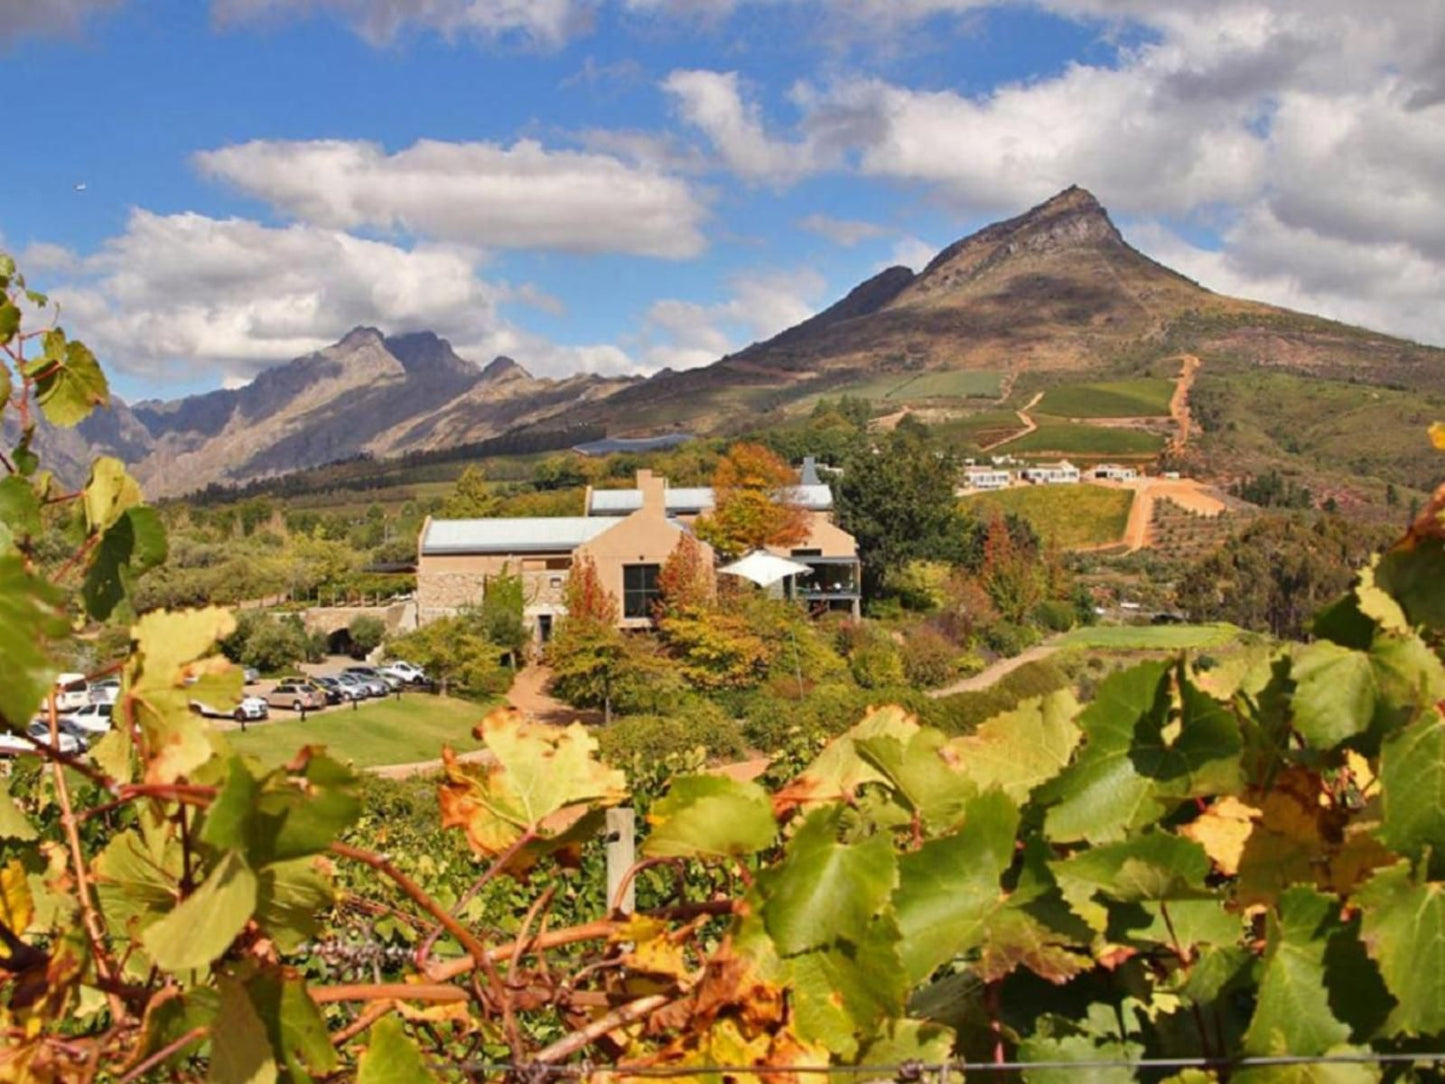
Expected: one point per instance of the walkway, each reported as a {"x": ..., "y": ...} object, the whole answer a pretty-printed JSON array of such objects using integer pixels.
[
  {"x": 1028, "y": 425},
  {"x": 1179, "y": 404},
  {"x": 999, "y": 670}
]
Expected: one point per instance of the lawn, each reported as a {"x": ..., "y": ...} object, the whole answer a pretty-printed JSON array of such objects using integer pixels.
[
  {"x": 1070, "y": 438},
  {"x": 378, "y": 732},
  {"x": 955, "y": 384},
  {"x": 1149, "y": 637},
  {"x": 1145, "y": 397},
  {"x": 1069, "y": 516}
]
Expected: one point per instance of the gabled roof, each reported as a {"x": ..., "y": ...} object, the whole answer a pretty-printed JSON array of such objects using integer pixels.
[
  {"x": 536, "y": 534},
  {"x": 692, "y": 500}
]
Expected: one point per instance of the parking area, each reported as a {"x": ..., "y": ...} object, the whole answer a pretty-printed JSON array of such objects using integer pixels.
[{"x": 284, "y": 701}]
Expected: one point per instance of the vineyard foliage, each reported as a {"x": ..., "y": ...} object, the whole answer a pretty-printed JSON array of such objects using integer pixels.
[{"x": 1243, "y": 861}]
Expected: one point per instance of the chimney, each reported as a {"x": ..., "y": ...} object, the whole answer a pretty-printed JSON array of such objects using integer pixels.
[
  {"x": 808, "y": 476},
  {"x": 653, "y": 488}
]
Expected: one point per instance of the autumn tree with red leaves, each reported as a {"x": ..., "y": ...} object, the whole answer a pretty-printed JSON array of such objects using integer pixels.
[{"x": 752, "y": 508}]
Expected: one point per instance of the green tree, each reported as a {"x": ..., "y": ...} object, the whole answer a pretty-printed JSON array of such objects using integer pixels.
[
  {"x": 366, "y": 634},
  {"x": 472, "y": 498},
  {"x": 503, "y": 607},
  {"x": 456, "y": 654},
  {"x": 898, "y": 502}
]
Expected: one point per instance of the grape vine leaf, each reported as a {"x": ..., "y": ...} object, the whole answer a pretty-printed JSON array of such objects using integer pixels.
[
  {"x": 68, "y": 381},
  {"x": 1134, "y": 765},
  {"x": 839, "y": 771},
  {"x": 1412, "y": 787},
  {"x": 16, "y": 905},
  {"x": 949, "y": 889},
  {"x": 536, "y": 771},
  {"x": 1413, "y": 569},
  {"x": 710, "y": 816},
  {"x": 1403, "y": 926},
  {"x": 919, "y": 774},
  {"x": 292, "y": 899},
  {"x": 131, "y": 545},
  {"x": 1290, "y": 841},
  {"x": 1293, "y": 1014},
  {"x": 294, "y": 1025},
  {"x": 19, "y": 513},
  {"x": 203, "y": 925},
  {"x": 1334, "y": 695},
  {"x": 1020, "y": 749},
  {"x": 909, "y": 1041},
  {"x": 823, "y": 890},
  {"x": 13, "y": 823},
  {"x": 391, "y": 1057},
  {"x": 847, "y": 990},
  {"x": 31, "y": 614},
  {"x": 240, "y": 1047},
  {"x": 109, "y": 494},
  {"x": 1155, "y": 867},
  {"x": 1223, "y": 830}
]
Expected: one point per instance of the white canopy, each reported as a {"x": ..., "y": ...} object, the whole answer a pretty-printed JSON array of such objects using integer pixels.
[{"x": 765, "y": 569}]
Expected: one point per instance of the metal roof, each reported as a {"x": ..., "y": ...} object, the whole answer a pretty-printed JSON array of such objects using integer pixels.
[
  {"x": 536, "y": 534},
  {"x": 619, "y": 502},
  {"x": 608, "y": 445}
]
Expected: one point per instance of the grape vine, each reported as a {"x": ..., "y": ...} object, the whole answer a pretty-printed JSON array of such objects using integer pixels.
[{"x": 1247, "y": 862}]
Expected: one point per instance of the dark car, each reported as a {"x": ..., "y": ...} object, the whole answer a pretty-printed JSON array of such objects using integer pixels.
[{"x": 337, "y": 690}]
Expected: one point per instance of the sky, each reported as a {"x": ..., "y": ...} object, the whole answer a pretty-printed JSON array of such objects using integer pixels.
[{"x": 211, "y": 187}]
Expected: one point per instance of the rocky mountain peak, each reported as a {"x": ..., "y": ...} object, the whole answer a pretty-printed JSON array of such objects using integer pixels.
[
  {"x": 361, "y": 335},
  {"x": 426, "y": 354},
  {"x": 503, "y": 368}
]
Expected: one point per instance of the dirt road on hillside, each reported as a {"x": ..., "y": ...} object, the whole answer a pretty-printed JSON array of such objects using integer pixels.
[
  {"x": 1185, "y": 492},
  {"x": 987, "y": 676},
  {"x": 1179, "y": 404},
  {"x": 1027, "y": 422}
]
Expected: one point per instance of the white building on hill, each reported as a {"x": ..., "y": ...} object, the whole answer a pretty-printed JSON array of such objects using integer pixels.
[
  {"x": 1113, "y": 472},
  {"x": 1061, "y": 473},
  {"x": 986, "y": 478}
]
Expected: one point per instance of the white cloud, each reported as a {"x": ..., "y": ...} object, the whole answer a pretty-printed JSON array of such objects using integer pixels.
[
  {"x": 544, "y": 24},
  {"x": 681, "y": 334},
  {"x": 484, "y": 194},
  {"x": 713, "y": 103},
  {"x": 234, "y": 296},
  {"x": 842, "y": 231},
  {"x": 912, "y": 252},
  {"x": 19, "y": 18}
]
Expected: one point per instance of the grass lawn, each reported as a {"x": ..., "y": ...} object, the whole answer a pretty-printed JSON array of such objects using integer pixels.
[
  {"x": 1141, "y": 398},
  {"x": 1070, "y": 516},
  {"x": 955, "y": 384},
  {"x": 378, "y": 732},
  {"x": 1069, "y": 438},
  {"x": 1150, "y": 637}
]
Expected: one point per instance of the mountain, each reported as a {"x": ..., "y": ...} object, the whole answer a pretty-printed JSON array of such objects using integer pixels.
[
  {"x": 368, "y": 393},
  {"x": 1053, "y": 294},
  {"x": 1056, "y": 290}
]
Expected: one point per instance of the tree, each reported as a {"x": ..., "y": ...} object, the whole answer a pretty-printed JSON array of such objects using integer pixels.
[
  {"x": 588, "y": 654},
  {"x": 456, "y": 654},
  {"x": 685, "y": 580},
  {"x": 472, "y": 497},
  {"x": 898, "y": 502},
  {"x": 751, "y": 505},
  {"x": 366, "y": 634},
  {"x": 503, "y": 611},
  {"x": 1014, "y": 577}
]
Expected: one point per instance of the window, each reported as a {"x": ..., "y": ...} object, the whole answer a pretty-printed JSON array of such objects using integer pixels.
[
  {"x": 807, "y": 553},
  {"x": 639, "y": 590}
]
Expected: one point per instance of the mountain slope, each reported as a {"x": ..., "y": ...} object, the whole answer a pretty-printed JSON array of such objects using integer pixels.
[{"x": 1054, "y": 290}]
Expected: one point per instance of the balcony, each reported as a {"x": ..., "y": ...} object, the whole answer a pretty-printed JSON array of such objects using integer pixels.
[{"x": 833, "y": 579}]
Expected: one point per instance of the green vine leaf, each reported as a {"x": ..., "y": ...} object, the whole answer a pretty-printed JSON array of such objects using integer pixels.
[
  {"x": 240, "y": 1047},
  {"x": 1022, "y": 749},
  {"x": 203, "y": 925},
  {"x": 1293, "y": 1014},
  {"x": 921, "y": 776},
  {"x": 710, "y": 816},
  {"x": 69, "y": 384},
  {"x": 1403, "y": 927},
  {"x": 391, "y": 1057},
  {"x": 1334, "y": 695},
  {"x": 1412, "y": 788},
  {"x": 133, "y": 544},
  {"x": 31, "y": 617}
]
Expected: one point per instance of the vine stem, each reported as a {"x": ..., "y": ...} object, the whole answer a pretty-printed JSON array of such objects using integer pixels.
[
  {"x": 362, "y": 1022},
  {"x": 424, "y": 952},
  {"x": 588, "y": 931},
  {"x": 388, "y": 991},
  {"x": 194, "y": 1035},
  {"x": 94, "y": 930},
  {"x": 617, "y": 1018}
]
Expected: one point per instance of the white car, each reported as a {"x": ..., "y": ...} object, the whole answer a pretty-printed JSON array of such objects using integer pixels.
[
  {"x": 411, "y": 675},
  {"x": 90, "y": 722},
  {"x": 14, "y": 745},
  {"x": 106, "y": 691},
  {"x": 251, "y": 709},
  {"x": 71, "y": 692}
]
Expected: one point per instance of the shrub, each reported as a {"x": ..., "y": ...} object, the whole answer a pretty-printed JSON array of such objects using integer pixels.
[
  {"x": 772, "y": 725},
  {"x": 1055, "y": 615},
  {"x": 1008, "y": 639},
  {"x": 877, "y": 664},
  {"x": 275, "y": 645},
  {"x": 928, "y": 658},
  {"x": 693, "y": 723},
  {"x": 366, "y": 634}
]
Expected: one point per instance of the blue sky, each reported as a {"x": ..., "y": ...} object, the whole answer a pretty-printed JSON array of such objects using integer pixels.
[{"x": 625, "y": 184}]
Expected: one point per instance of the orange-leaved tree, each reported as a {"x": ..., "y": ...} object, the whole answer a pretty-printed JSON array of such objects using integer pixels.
[
  {"x": 753, "y": 505},
  {"x": 685, "y": 580}
]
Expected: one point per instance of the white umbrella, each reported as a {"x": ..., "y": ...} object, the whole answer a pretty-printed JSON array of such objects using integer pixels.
[{"x": 765, "y": 569}]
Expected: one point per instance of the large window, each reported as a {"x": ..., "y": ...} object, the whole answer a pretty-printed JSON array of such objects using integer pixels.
[{"x": 639, "y": 590}]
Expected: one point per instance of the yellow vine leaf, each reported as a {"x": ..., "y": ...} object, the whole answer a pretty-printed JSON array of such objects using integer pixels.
[
  {"x": 1289, "y": 842},
  {"x": 536, "y": 772},
  {"x": 1437, "y": 435},
  {"x": 1222, "y": 831},
  {"x": 16, "y": 906}
]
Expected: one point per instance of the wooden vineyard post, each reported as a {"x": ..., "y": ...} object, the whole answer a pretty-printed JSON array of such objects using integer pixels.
[{"x": 621, "y": 855}]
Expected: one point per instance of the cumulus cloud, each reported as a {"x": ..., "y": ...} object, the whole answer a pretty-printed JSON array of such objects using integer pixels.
[
  {"x": 681, "y": 334},
  {"x": 541, "y": 23},
  {"x": 235, "y": 296},
  {"x": 713, "y": 103},
  {"x": 20, "y": 18},
  {"x": 842, "y": 231},
  {"x": 485, "y": 194}
]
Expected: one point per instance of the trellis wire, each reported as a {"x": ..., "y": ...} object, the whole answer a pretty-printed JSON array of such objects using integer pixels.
[{"x": 917, "y": 1070}]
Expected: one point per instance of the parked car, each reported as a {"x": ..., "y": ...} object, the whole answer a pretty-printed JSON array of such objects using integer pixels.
[
  {"x": 39, "y": 729},
  {"x": 297, "y": 694},
  {"x": 89, "y": 722},
  {"x": 343, "y": 690},
  {"x": 371, "y": 673},
  {"x": 325, "y": 688},
  {"x": 250, "y": 675},
  {"x": 105, "y": 691},
  {"x": 411, "y": 675},
  {"x": 250, "y": 709},
  {"x": 71, "y": 692},
  {"x": 366, "y": 686}
]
